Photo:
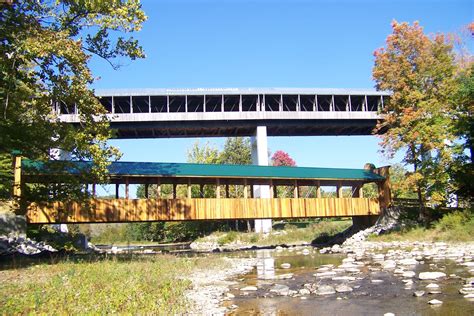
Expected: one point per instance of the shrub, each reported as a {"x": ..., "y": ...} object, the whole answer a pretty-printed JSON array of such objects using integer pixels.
[
  {"x": 227, "y": 238},
  {"x": 452, "y": 221}
]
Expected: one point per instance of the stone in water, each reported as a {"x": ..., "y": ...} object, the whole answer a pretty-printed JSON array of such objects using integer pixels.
[
  {"x": 249, "y": 288},
  {"x": 431, "y": 275}
]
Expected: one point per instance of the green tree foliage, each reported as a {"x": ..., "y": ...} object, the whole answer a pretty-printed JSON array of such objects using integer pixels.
[
  {"x": 45, "y": 51},
  {"x": 462, "y": 171},
  {"x": 422, "y": 74},
  {"x": 401, "y": 188},
  {"x": 237, "y": 151}
]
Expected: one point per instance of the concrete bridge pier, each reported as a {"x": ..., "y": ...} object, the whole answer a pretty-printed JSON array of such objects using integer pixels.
[{"x": 260, "y": 158}]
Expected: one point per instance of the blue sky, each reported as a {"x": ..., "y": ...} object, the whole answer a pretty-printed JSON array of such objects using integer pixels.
[{"x": 262, "y": 43}]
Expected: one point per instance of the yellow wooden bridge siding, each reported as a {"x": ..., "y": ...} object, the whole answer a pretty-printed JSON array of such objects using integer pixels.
[{"x": 123, "y": 210}]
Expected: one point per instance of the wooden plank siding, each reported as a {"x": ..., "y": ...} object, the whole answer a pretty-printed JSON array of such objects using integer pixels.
[{"x": 140, "y": 210}]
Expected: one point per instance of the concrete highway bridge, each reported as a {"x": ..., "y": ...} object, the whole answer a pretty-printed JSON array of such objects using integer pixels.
[{"x": 158, "y": 113}]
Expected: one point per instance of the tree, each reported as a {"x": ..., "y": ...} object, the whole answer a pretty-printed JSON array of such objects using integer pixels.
[
  {"x": 237, "y": 151},
  {"x": 420, "y": 71},
  {"x": 462, "y": 171},
  {"x": 281, "y": 158},
  {"x": 401, "y": 188},
  {"x": 203, "y": 154},
  {"x": 46, "y": 48}
]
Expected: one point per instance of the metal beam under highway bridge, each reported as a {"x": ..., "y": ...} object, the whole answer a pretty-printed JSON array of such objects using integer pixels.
[{"x": 167, "y": 113}]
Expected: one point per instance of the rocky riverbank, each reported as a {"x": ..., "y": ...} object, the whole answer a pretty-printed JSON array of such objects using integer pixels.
[
  {"x": 210, "y": 287},
  {"x": 10, "y": 245}
]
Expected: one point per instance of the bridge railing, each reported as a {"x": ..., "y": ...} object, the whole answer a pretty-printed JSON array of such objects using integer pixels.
[{"x": 258, "y": 102}]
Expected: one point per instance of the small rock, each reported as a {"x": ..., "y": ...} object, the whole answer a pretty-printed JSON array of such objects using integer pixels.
[
  {"x": 435, "y": 302},
  {"x": 323, "y": 269},
  {"x": 434, "y": 292},
  {"x": 352, "y": 270},
  {"x": 343, "y": 288},
  {"x": 409, "y": 274},
  {"x": 408, "y": 262},
  {"x": 348, "y": 260},
  {"x": 469, "y": 281},
  {"x": 280, "y": 289},
  {"x": 376, "y": 281},
  {"x": 304, "y": 292},
  {"x": 389, "y": 314},
  {"x": 305, "y": 252},
  {"x": 325, "y": 290},
  {"x": 469, "y": 295},
  {"x": 325, "y": 274},
  {"x": 389, "y": 264},
  {"x": 378, "y": 257},
  {"x": 285, "y": 265},
  {"x": 249, "y": 288},
  {"x": 432, "y": 286},
  {"x": 467, "y": 290},
  {"x": 343, "y": 278},
  {"x": 283, "y": 276},
  {"x": 431, "y": 275},
  {"x": 419, "y": 293}
]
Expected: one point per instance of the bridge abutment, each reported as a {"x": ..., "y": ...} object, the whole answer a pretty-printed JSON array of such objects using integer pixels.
[{"x": 260, "y": 158}]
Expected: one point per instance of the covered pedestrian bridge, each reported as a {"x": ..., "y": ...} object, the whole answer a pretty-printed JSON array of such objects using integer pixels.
[{"x": 182, "y": 191}]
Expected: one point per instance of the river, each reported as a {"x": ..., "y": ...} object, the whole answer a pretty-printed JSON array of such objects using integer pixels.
[{"x": 375, "y": 291}]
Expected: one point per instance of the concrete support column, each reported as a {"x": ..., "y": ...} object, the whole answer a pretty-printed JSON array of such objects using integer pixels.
[{"x": 260, "y": 157}]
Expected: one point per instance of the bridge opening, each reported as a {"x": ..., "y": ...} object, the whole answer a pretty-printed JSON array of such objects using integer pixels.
[{"x": 159, "y": 104}]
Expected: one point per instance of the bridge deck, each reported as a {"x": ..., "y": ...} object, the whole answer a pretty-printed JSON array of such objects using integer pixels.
[{"x": 140, "y": 210}]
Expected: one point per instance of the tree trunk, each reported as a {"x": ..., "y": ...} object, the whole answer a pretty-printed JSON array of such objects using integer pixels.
[
  {"x": 249, "y": 227},
  {"x": 422, "y": 215}
]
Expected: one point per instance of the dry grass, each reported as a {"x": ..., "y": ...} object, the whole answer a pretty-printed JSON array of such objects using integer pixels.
[{"x": 142, "y": 285}]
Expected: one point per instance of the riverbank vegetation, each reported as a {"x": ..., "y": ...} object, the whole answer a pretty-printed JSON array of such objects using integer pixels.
[
  {"x": 118, "y": 285},
  {"x": 453, "y": 227},
  {"x": 289, "y": 234}
]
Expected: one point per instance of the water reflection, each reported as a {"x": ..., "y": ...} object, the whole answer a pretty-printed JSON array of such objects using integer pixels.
[
  {"x": 366, "y": 299},
  {"x": 265, "y": 265}
]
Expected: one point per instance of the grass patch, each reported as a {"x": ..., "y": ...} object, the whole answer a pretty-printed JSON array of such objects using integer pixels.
[
  {"x": 457, "y": 226},
  {"x": 141, "y": 285},
  {"x": 291, "y": 234}
]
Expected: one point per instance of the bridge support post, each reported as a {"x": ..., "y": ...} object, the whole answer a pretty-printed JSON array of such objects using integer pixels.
[
  {"x": 61, "y": 154},
  {"x": 260, "y": 157},
  {"x": 362, "y": 222}
]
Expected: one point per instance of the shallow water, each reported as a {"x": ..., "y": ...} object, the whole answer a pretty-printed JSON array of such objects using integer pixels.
[{"x": 368, "y": 298}]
